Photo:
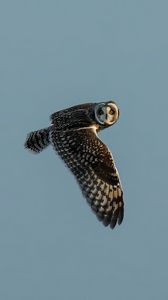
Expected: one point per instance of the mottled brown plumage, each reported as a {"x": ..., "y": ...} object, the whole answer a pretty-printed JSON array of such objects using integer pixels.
[{"x": 73, "y": 134}]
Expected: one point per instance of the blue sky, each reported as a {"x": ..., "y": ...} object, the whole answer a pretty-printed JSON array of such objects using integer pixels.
[{"x": 56, "y": 54}]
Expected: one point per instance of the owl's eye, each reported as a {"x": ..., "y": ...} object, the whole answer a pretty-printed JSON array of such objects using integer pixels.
[{"x": 111, "y": 112}]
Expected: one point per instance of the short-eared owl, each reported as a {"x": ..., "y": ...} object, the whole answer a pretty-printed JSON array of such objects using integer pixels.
[{"x": 73, "y": 134}]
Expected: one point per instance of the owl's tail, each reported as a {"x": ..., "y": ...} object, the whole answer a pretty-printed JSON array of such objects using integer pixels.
[{"x": 38, "y": 140}]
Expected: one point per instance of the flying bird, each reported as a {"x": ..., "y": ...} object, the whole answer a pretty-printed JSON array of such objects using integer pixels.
[{"x": 73, "y": 133}]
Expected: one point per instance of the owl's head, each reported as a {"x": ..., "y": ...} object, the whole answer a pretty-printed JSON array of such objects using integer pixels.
[{"x": 106, "y": 113}]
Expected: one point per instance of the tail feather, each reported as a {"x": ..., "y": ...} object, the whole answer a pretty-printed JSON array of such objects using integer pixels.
[{"x": 38, "y": 140}]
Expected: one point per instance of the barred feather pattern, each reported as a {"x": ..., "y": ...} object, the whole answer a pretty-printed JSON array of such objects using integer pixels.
[
  {"x": 92, "y": 164},
  {"x": 38, "y": 140},
  {"x": 75, "y": 117}
]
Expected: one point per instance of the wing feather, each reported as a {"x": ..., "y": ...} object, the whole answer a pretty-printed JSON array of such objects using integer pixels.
[{"x": 92, "y": 164}]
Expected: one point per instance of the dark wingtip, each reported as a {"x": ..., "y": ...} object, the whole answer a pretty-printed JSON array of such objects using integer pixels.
[
  {"x": 106, "y": 221},
  {"x": 120, "y": 216},
  {"x": 117, "y": 217},
  {"x": 113, "y": 222}
]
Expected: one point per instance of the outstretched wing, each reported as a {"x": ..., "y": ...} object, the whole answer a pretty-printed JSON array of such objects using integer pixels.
[{"x": 93, "y": 166}]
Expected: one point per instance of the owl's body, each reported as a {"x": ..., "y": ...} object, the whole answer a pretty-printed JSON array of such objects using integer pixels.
[{"x": 73, "y": 134}]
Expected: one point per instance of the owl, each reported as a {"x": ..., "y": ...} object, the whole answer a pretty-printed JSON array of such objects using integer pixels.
[{"x": 73, "y": 134}]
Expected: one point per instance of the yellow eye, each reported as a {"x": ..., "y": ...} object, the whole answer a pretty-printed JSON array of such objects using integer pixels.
[{"x": 111, "y": 112}]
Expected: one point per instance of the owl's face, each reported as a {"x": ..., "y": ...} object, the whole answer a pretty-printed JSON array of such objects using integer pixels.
[{"x": 106, "y": 113}]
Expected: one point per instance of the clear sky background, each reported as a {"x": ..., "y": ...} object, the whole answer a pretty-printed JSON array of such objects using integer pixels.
[{"x": 54, "y": 54}]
